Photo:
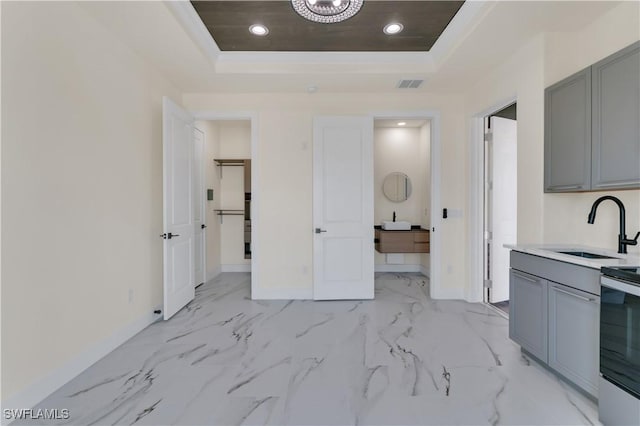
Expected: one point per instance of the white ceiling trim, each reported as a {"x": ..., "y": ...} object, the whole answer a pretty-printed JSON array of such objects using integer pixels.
[
  {"x": 329, "y": 62},
  {"x": 186, "y": 14}
]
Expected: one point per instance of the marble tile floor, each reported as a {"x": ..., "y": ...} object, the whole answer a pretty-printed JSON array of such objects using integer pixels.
[{"x": 401, "y": 359}]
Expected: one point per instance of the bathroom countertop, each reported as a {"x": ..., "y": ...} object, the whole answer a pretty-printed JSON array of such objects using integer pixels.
[{"x": 550, "y": 251}]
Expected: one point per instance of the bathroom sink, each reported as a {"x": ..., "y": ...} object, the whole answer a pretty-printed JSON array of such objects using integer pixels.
[
  {"x": 401, "y": 225},
  {"x": 586, "y": 255}
]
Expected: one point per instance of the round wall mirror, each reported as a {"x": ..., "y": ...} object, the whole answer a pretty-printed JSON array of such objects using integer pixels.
[{"x": 397, "y": 187}]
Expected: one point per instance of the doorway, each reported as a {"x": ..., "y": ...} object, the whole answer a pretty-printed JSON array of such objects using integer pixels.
[
  {"x": 402, "y": 193},
  {"x": 227, "y": 181},
  {"x": 500, "y": 203}
]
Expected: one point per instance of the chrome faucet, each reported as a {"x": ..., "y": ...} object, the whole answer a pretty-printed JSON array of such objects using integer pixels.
[{"x": 623, "y": 241}]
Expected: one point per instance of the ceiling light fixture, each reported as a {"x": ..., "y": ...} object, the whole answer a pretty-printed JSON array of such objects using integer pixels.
[
  {"x": 402, "y": 123},
  {"x": 393, "y": 28},
  {"x": 327, "y": 11},
  {"x": 259, "y": 30}
]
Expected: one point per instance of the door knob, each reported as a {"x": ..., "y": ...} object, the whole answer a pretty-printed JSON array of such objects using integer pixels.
[
  {"x": 168, "y": 236},
  {"x": 318, "y": 230}
]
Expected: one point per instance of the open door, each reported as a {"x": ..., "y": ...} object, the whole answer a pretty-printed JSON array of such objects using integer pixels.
[
  {"x": 503, "y": 198},
  {"x": 343, "y": 263},
  {"x": 178, "y": 206}
]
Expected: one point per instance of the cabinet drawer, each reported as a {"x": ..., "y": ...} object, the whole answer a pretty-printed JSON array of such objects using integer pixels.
[
  {"x": 421, "y": 248},
  {"x": 414, "y": 241},
  {"x": 421, "y": 237},
  {"x": 580, "y": 277}
]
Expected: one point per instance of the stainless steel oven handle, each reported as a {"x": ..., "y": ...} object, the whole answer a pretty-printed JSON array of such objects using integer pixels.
[
  {"x": 586, "y": 299},
  {"x": 620, "y": 285}
]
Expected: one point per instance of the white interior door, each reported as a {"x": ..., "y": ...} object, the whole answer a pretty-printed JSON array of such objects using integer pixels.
[
  {"x": 179, "y": 235},
  {"x": 199, "y": 207},
  {"x": 504, "y": 203},
  {"x": 343, "y": 264}
]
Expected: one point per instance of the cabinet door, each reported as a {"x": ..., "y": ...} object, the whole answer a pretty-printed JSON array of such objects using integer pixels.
[
  {"x": 528, "y": 312},
  {"x": 574, "y": 318},
  {"x": 567, "y": 134},
  {"x": 616, "y": 120}
]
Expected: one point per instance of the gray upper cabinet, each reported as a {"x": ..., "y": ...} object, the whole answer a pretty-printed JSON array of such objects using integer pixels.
[
  {"x": 616, "y": 120},
  {"x": 567, "y": 138},
  {"x": 592, "y": 127}
]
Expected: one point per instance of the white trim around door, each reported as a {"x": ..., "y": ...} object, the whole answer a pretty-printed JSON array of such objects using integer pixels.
[{"x": 475, "y": 286}]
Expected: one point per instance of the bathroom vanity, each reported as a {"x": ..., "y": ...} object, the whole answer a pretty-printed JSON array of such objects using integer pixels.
[{"x": 415, "y": 240}]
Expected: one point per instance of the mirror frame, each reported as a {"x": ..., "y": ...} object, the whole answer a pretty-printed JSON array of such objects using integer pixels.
[{"x": 397, "y": 196}]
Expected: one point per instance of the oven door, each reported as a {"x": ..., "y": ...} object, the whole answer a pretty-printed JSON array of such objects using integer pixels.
[{"x": 620, "y": 334}]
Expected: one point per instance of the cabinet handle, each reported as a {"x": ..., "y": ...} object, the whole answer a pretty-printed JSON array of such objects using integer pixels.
[
  {"x": 524, "y": 277},
  {"x": 566, "y": 187},
  {"x": 606, "y": 185},
  {"x": 586, "y": 299}
]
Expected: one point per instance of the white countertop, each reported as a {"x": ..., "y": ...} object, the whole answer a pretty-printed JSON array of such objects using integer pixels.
[{"x": 551, "y": 251}]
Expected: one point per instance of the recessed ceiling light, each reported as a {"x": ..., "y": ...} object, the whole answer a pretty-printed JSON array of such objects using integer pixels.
[
  {"x": 259, "y": 30},
  {"x": 402, "y": 123},
  {"x": 393, "y": 28}
]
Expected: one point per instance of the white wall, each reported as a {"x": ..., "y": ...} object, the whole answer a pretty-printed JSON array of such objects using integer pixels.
[
  {"x": 401, "y": 150},
  {"x": 547, "y": 58},
  {"x": 285, "y": 124},
  {"x": 81, "y": 194}
]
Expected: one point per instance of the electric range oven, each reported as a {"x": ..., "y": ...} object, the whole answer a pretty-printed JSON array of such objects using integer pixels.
[{"x": 619, "y": 387}]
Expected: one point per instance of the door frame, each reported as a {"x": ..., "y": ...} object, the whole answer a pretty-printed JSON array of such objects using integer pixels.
[
  {"x": 474, "y": 292},
  {"x": 203, "y": 205},
  {"x": 211, "y": 115},
  {"x": 436, "y": 288}
]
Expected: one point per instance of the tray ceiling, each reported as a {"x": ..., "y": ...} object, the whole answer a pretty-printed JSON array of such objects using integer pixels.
[{"x": 229, "y": 22}]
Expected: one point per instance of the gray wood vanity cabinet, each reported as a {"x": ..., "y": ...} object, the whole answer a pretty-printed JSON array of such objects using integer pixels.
[
  {"x": 554, "y": 315},
  {"x": 592, "y": 129}
]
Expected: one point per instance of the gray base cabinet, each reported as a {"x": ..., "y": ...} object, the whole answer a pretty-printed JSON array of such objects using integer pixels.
[
  {"x": 573, "y": 335},
  {"x": 554, "y": 314},
  {"x": 528, "y": 302}
]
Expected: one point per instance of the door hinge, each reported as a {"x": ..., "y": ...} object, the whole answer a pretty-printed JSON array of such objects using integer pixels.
[
  {"x": 488, "y": 136},
  {"x": 488, "y": 283}
]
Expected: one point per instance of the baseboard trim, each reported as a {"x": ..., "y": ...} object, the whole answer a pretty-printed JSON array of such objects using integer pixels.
[
  {"x": 397, "y": 268},
  {"x": 425, "y": 271},
  {"x": 283, "y": 294},
  {"x": 447, "y": 293},
  {"x": 41, "y": 388},
  {"x": 235, "y": 268}
]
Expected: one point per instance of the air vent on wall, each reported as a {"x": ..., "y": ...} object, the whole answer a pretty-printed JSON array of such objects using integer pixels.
[{"x": 409, "y": 84}]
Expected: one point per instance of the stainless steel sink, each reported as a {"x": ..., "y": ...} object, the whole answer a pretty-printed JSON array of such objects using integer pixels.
[{"x": 586, "y": 255}]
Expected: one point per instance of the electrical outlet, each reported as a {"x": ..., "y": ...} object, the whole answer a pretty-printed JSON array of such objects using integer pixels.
[{"x": 130, "y": 295}]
